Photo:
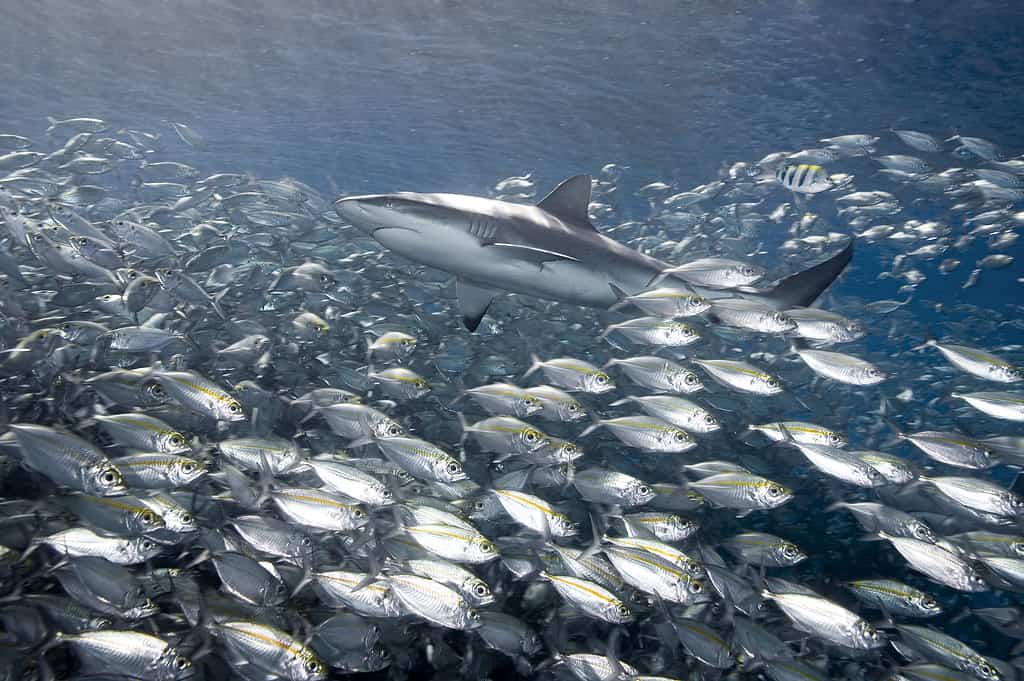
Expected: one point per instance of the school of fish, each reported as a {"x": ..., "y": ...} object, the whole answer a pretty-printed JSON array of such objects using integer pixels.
[{"x": 240, "y": 440}]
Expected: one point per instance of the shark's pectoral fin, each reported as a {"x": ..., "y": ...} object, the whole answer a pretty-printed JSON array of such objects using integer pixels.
[
  {"x": 473, "y": 302},
  {"x": 538, "y": 256}
]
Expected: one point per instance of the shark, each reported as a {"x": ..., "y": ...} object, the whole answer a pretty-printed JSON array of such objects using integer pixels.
[{"x": 550, "y": 250}]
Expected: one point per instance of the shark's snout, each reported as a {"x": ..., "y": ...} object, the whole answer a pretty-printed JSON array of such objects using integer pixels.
[{"x": 354, "y": 210}]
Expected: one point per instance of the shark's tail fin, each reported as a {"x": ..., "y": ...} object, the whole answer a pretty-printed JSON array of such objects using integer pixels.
[{"x": 803, "y": 288}]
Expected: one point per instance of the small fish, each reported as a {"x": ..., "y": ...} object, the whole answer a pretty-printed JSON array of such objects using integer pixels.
[
  {"x": 605, "y": 486},
  {"x": 938, "y": 564},
  {"x": 950, "y": 448},
  {"x": 842, "y": 367},
  {"x": 590, "y": 598},
  {"x": 535, "y": 513},
  {"x": 824, "y": 619},
  {"x": 718, "y": 273},
  {"x": 751, "y": 315},
  {"x": 655, "y": 331},
  {"x": 740, "y": 376},
  {"x": 648, "y": 433},
  {"x": 668, "y": 302},
  {"x": 270, "y": 649},
  {"x": 1000, "y": 405},
  {"x": 572, "y": 374},
  {"x": 742, "y": 492},
  {"x": 67, "y": 460},
  {"x": 677, "y": 411},
  {"x": 139, "y": 431},
  {"x": 200, "y": 394},
  {"x": 895, "y": 597},
  {"x": 507, "y": 399},
  {"x": 977, "y": 362},
  {"x": 759, "y": 548},
  {"x": 659, "y": 374},
  {"x": 803, "y": 178},
  {"x": 434, "y": 602}
]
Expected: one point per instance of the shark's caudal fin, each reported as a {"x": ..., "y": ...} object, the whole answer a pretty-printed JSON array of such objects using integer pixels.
[{"x": 803, "y": 288}]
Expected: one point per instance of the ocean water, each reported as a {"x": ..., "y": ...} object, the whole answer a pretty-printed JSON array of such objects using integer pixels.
[{"x": 358, "y": 98}]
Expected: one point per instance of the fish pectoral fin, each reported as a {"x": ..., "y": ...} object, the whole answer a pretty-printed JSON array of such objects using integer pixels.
[
  {"x": 538, "y": 256},
  {"x": 474, "y": 300}
]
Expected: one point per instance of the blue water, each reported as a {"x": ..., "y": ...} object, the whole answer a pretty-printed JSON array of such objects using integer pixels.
[
  {"x": 455, "y": 95},
  {"x": 452, "y": 96}
]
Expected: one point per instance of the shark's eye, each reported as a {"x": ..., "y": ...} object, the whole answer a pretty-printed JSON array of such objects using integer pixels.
[{"x": 388, "y": 203}]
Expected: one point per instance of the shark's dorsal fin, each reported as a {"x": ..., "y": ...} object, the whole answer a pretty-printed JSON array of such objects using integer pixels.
[{"x": 569, "y": 202}]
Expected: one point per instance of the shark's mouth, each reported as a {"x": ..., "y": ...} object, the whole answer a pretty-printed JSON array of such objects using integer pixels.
[{"x": 383, "y": 229}]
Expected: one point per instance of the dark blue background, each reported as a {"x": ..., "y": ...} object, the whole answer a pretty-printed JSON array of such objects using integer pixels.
[
  {"x": 455, "y": 95},
  {"x": 452, "y": 96}
]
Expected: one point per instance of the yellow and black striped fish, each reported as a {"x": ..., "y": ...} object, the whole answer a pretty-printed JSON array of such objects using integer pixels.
[{"x": 803, "y": 178}]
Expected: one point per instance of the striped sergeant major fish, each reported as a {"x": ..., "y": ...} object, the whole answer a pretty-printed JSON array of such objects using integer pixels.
[{"x": 803, "y": 178}]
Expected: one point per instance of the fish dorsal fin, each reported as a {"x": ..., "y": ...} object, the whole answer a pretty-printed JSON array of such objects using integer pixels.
[{"x": 569, "y": 201}]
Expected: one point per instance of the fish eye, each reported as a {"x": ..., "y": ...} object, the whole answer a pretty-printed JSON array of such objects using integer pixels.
[
  {"x": 921, "y": 532},
  {"x": 186, "y": 518},
  {"x": 790, "y": 551},
  {"x": 452, "y": 468},
  {"x": 487, "y": 547},
  {"x": 479, "y": 505},
  {"x": 146, "y": 544},
  {"x": 929, "y": 603},
  {"x": 834, "y": 437},
  {"x": 696, "y": 587},
  {"x": 387, "y": 494},
  {"x": 480, "y": 590},
  {"x": 690, "y": 379},
  {"x": 530, "y": 435},
  {"x": 182, "y": 662},
  {"x": 359, "y": 513},
  {"x": 407, "y": 342},
  {"x": 573, "y": 406},
  {"x": 388, "y": 203},
  {"x": 109, "y": 477},
  {"x": 177, "y": 440},
  {"x": 643, "y": 490},
  {"x": 394, "y": 430},
  {"x": 148, "y": 518},
  {"x": 622, "y": 610},
  {"x": 312, "y": 666},
  {"x": 772, "y": 383},
  {"x": 774, "y": 491},
  {"x": 748, "y": 271},
  {"x": 306, "y": 541},
  {"x": 601, "y": 378},
  {"x": 680, "y": 436},
  {"x": 710, "y": 420},
  {"x": 188, "y": 467},
  {"x": 65, "y": 326},
  {"x": 234, "y": 407}
]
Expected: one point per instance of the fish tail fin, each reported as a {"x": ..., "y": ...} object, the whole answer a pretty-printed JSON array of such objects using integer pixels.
[
  {"x": 535, "y": 363},
  {"x": 803, "y": 288}
]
